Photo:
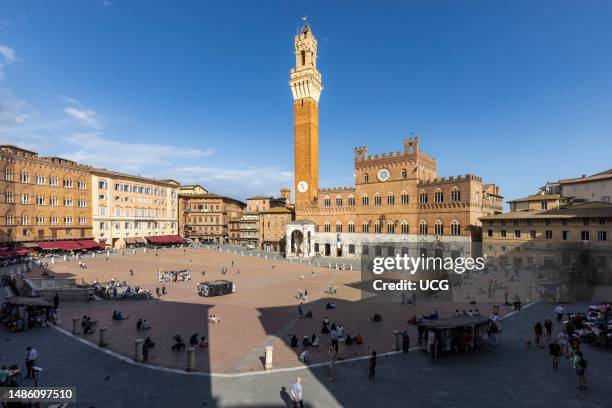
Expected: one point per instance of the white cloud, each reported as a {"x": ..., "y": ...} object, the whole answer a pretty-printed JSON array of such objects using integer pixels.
[
  {"x": 84, "y": 117},
  {"x": 236, "y": 182},
  {"x": 13, "y": 110},
  {"x": 8, "y": 54},
  {"x": 7, "y": 57},
  {"x": 69, "y": 100},
  {"x": 99, "y": 150}
]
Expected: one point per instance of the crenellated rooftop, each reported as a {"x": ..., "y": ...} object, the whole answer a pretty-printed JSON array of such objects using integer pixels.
[{"x": 451, "y": 179}]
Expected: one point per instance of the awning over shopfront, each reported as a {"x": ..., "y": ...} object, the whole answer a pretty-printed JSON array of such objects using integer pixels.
[
  {"x": 14, "y": 252},
  {"x": 166, "y": 239},
  {"x": 76, "y": 245},
  {"x": 89, "y": 244}
]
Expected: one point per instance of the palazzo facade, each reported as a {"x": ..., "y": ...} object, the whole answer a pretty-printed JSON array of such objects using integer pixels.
[{"x": 397, "y": 198}]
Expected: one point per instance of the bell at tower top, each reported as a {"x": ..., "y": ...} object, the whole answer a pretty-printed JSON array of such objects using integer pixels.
[{"x": 305, "y": 78}]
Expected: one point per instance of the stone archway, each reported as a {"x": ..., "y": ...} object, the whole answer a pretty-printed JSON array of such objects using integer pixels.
[{"x": 297, "y": 243}]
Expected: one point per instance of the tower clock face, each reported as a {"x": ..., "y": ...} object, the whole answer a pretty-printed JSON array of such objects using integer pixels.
[
  {"x": 383, "y": 174},
  {"x": 302, "y": 186}
]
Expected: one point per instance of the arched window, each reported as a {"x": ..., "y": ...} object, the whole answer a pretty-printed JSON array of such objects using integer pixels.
[
  {"x": 326, "y": 202},
  {"x": 404, "y": 198},
  {"x": 377, "y": 227},
  {"x": 351, "y": 249},
  {"x": 455, "y": 228},
  {"x": 365, "y": 227},
  {"x": 455, "y": 194},
  {"x": 390, "y": 227},
  {"x": 327, "y": 227},
  {"x": 377, "y": 199},
  {"x": 423, "y": 227},
  {"x": 366, "y": 178},
  {"x": 423, "y": 198},
  {"x": 439, "y": 228},
  {"x": 439, "y": 196},
  {"x": 317, "y": 227},
  {"x": 338, "y": 201},
  {"x": 303, "y": 54},
  {"x": 351, "y": 226},
  {"x": 390, "y": 199},
  {"x": 338, "y": 226},
  {"x": 404, "y": 173},
  {"x": 404, "y": 228},
  {"x": 351, "y": 200},
  {"x": 365, "y": 200}
]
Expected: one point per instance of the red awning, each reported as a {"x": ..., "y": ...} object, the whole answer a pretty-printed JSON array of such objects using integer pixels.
[
  {"x": 166, "y": 239},
  {"x": 13, "y": 252},
  {"x": 89, "y": 244},
  {"x": 62, "y": 245}
]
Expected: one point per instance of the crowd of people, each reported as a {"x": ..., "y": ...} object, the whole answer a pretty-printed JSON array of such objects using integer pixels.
[{"x": 182, "y": 275}]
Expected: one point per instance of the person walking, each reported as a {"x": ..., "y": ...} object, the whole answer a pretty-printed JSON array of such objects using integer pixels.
[
  {"x": 555, "y": 354},
  {"x": 548, "y": 324},
  {"x": 559, "y": 311},
  {"x": 405, "y": 342},
  {"x": 562, "y": 339},
  {"x": 580, "y": 365},
  {"x": 297, "y": 396},
  {"x": 537, "y": 331},
  {"x": 56, "y": 301},
  {"x": 372, "y": 366},
  {"x": 31, "y": 356}
]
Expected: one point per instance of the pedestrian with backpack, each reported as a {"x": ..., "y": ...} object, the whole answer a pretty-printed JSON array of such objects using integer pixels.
[{"x": 580, "y": 365}]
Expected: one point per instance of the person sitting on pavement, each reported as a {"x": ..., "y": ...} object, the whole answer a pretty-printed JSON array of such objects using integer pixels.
[
  {"x": 203, "y": 342},
  {"x": 309, "y": 314},
  {"x": 305, "y": 342},
  {"x": 294, "y": 341},
  {"x": 314, "y": 340},
  {"x": 139, "y": 324},
  {"x": 179, "y": 343},
  {"x": 146, "y": 325},
  {"x": 358, "y": 339},
  {"x": 193, "y": 340},
  {"x": 376, "y": 318},
  {"x": 149, "y": 343}
]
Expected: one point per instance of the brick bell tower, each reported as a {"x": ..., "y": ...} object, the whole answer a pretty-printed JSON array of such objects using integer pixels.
[{"x": 306, "y": 87}]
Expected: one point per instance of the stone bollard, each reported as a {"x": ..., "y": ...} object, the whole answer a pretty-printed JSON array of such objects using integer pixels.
[
  {"x": 138, "y": 344},
  {"x": 133, "y": 251},
  {"x": 58, "y": 316},
  {"x": 103, "y": 336},
  {"x": 269, "y": 350},
  {"x": 65, "y": 257},
  {"x": 329, "y": 264},
  {"x": 78, "y": 256},
  {"x": 52, "y": 259},
  {"x": 336, "y": 266},
  {"x": 396, "y": 340},
  {"x": 93, "y": 254},
  {"x": 107, "y": 253},
  {"x": 145, "y": 250},
  {"x": 76, "y": 321},
  {"x": 341, "y": 348},
  {"x": 318, "y": 263},
  {"x": 122, "y": 253},
  {"x": 191, "y": 362},
  {"x": 351, "y": 267}
]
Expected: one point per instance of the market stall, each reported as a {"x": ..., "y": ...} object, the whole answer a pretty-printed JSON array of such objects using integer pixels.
[
  {"x": 593, "y": 326},
  {"x": 20, "y": 313},
  {"x": 454, "y": 334}
]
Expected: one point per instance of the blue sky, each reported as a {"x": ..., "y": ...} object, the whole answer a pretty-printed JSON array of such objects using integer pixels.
[{"x": 518, "y": 92}]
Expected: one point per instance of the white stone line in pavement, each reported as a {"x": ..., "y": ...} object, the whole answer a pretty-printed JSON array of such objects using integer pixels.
[{"x": 250, "y": 373}]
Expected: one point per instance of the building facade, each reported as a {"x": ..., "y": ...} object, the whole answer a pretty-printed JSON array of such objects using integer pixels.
[
  {"x": 597, "y": 187},
  {"x": 272, "y": 225},
  {"x": 43, "y": 198},
  {"x": 397, "y": 196},
  {"x": 126, "y": 207},
  {"x": 251, "y": 227},
  {"x": 208, "y": 217}
]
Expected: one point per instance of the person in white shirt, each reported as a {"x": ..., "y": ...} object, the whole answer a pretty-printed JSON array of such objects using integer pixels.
[
  {"x": 297, "y": 393},
  {"x": 559, "y": 311},
  {"x": 31, "y": 357}
]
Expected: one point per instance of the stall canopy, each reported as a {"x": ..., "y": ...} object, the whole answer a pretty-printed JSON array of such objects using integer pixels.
[
  {"x": 452, "y": 322},
  {"x": 134, "y": 240},
  {"x": 166, "y": 239}
]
